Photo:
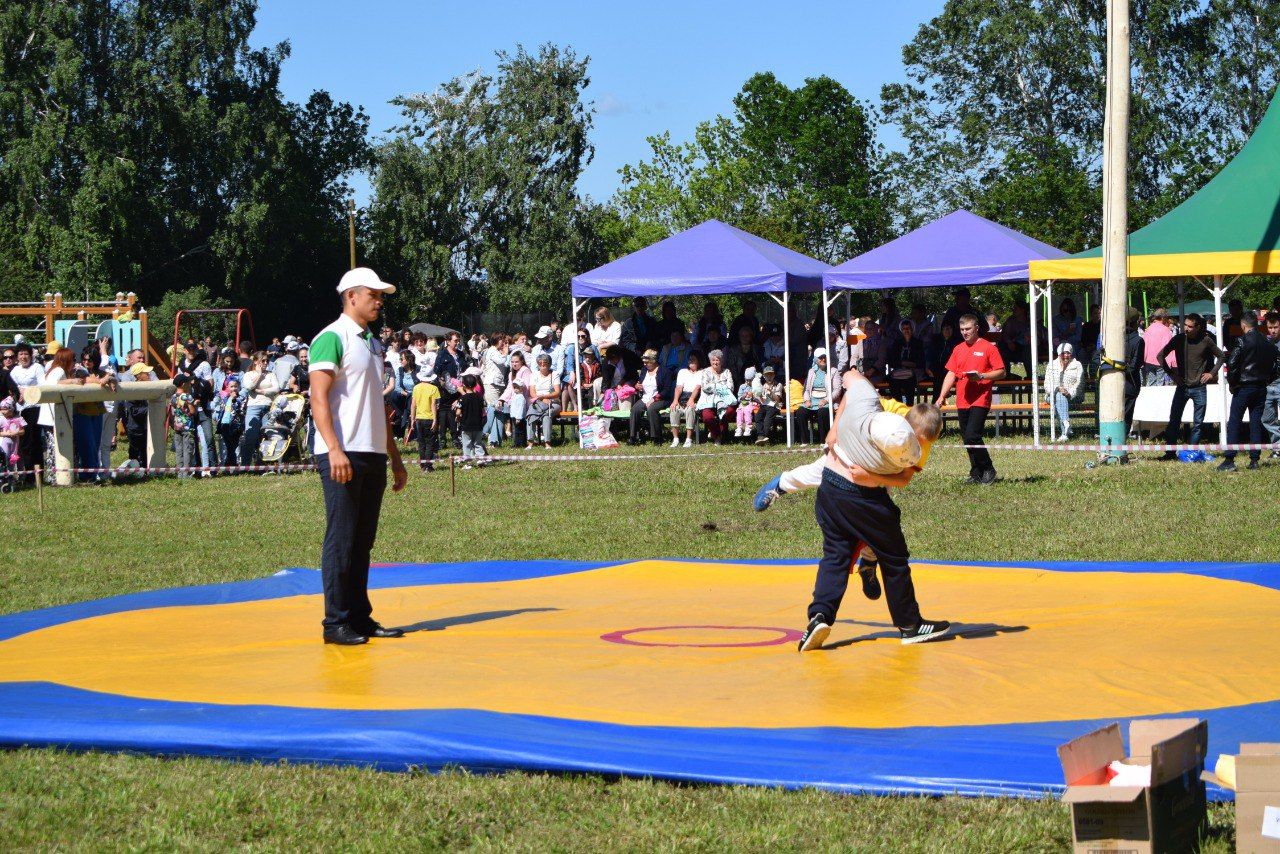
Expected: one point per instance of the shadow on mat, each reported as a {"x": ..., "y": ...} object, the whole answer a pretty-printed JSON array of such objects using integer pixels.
[
  {"x": 467, "y": 619},
  {"x": 965, "y": 631}
]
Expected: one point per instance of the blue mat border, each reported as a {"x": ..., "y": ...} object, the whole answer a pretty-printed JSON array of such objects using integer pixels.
[{"x": 995, "y": 760}]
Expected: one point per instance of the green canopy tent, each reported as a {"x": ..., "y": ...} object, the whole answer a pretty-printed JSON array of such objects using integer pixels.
[{"x": 1229, "y": 228}]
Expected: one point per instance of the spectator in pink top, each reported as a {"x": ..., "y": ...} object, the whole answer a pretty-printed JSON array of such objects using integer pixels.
[{"x": 1157, "y": 334}]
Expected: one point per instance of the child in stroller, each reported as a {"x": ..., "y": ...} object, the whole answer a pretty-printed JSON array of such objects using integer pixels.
[{"x": 285, "y": 429}]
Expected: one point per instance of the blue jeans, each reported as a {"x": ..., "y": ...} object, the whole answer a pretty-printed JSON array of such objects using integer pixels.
[
  {"x": 472, "y": 444},
  {"x": 494, "y": 424},
  {"x": 1062, "y": 406},
  {"x": 1250, "y": 398},
  {"x": 253, "y": 416},
  {"x": 86, "y": 430},
  {"x": 204, "y": 438},
  {"x": 1199, "y": 397},
  {"x": 351, "y": 525},
  {"x": 1271, "y": 411}
]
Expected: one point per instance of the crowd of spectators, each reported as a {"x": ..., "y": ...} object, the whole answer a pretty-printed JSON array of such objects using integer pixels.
[
  {"x": 646, "y": 373},
  {"x": 222, "y": 400}
]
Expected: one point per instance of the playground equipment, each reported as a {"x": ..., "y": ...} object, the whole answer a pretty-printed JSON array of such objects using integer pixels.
[
  {"x": 63, "y": 397},
  {"x": 242, "y": 316},
  {"x": 75, "y": 324}
]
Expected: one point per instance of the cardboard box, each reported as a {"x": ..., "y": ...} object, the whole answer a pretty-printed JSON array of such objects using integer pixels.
[
  {"x": 1257, "y": 798},
  {"x": 1168, "y": 815}
]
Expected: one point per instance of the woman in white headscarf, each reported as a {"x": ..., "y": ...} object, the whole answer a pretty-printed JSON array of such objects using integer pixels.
[{"x": 1063, "y": 381}]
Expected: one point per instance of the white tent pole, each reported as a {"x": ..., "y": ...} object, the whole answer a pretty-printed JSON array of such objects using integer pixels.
[
  {"x": 1218, "y": 291},
  {"x": 831, "y": 357},
  {"x": 1048, "y": 298},
  {"x": 786, "y": 354},
  {"x": 577, "y": 365},
  {"x": 1035, "y": 362}
]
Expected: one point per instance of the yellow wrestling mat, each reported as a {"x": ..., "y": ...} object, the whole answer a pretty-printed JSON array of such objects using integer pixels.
[{"x": 688, "y": 644}]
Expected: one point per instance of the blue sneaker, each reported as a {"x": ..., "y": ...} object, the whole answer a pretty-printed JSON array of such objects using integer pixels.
[{"x": 768, "y": 494}]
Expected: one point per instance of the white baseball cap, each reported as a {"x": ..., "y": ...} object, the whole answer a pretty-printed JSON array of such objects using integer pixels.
[
  {"x": 543, "y": 332},
  {"x": 895, "y": 439},
  {"x": 363, "y": 277},
  {"x": 820, "y": 353}
]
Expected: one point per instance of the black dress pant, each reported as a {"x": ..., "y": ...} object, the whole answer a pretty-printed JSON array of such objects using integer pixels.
[
  {"x": 765, "y": 416},
  {"x": 1246, "y": 398},
  {"x": 448, "y": 422},
  {"x": 351, "y": 525},
  {"x": 850, "y": 516},
  {"x": 903, "y": 390},
  {"x": 30, "y": 450},
  {"x": 648, "y": 413},
  {"x": 973, "y": 421},
  {"x": 816, "y": 424},
  {"x": 428, "y": 441}
]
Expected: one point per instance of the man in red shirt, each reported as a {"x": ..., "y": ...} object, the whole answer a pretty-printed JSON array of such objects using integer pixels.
[{"x": 974, "y": 365}]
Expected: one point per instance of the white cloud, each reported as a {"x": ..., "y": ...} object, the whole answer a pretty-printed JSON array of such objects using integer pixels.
[{"x": 612, "y": 105}]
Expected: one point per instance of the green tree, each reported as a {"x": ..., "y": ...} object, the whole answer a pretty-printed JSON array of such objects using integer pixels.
[
  {"x": 146, "y": 147},
  {"x": 475, "y": 199},
  {"x": 796, "y": 166},
  {"x": 1002, "y": 108}
]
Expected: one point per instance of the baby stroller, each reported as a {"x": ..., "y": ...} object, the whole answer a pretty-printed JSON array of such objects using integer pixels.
[
  {"x": 285, "y": 430},
  {"x": 8, "y": 480}
]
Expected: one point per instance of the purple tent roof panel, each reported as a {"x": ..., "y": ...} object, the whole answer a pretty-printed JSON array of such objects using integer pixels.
[
  {"x": 711, "y": 258},
  {"x": 961, "y": 248}
]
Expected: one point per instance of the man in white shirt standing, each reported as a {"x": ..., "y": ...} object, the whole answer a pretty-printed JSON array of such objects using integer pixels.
[{"x": 354, "y": 442}]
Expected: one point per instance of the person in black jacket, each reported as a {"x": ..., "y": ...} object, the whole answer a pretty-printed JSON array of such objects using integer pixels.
[
  {"x": 1250, "y": 369},
  {"x": 905, "y": 363},
  {"x": 450, "y": 363}
]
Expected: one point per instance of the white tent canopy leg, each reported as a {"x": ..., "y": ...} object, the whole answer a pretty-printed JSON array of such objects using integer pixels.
[
  {"x": 576, "y": 306},
  {"x": 1048, "y": 331},
  {"x": 831, "y": 356},
  {"x": 785, "y": 302},
  {"x": 1219, "y": 290},
  {"x": 1033, "y": 300}
]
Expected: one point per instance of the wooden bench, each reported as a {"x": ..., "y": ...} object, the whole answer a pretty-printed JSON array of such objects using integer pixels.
[{"x": 1004, "y": 410}]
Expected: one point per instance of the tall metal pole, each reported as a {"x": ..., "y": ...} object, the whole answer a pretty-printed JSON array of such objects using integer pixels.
[
  {"x": 351, "y": 230},
  {"x": 1115, "y": 223}
]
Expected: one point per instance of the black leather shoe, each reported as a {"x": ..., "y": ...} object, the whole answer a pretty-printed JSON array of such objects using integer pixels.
[
  {"x": 344, "y": 636},
  {"x": 376, "y": 630}
]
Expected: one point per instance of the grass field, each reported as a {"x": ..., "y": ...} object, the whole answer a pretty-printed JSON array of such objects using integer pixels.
[{"x": 93, "y": 542}]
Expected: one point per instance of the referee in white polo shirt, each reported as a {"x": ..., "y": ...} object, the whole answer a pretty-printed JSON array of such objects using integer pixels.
[{"x": 353, "y": 444}]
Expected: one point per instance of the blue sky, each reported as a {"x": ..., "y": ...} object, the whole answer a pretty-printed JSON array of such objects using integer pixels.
[{"x": 655, "y": 66}]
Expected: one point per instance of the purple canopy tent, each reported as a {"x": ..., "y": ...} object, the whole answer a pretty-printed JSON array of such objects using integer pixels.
[
  {"x": 960, "y": 249},
  {"x": 711, "y": 258}
]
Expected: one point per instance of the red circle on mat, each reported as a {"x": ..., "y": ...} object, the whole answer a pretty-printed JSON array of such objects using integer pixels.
[{"x": 624, "y": 636}]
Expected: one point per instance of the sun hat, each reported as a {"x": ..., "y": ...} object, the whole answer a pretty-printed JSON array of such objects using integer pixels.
[
  {"x": 896, "y": 440},
  {"x": 8, "y": 403},
  {"x": 52, "y": 349},
  {"x": 472, "y": 371},
  {"x": 749, "y": 373},
  {"x": 1065, "y": 347},
  {"x": 820, "y": 353},
  {"x": 292, "y": 347},
  {"x": 140, "y": 368},
  {"x": 363, "y": 277},
  {"x": 650, "y": 355},
  {"x": 543, "y": 332},
  {"x": 769, "y": 369}
]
